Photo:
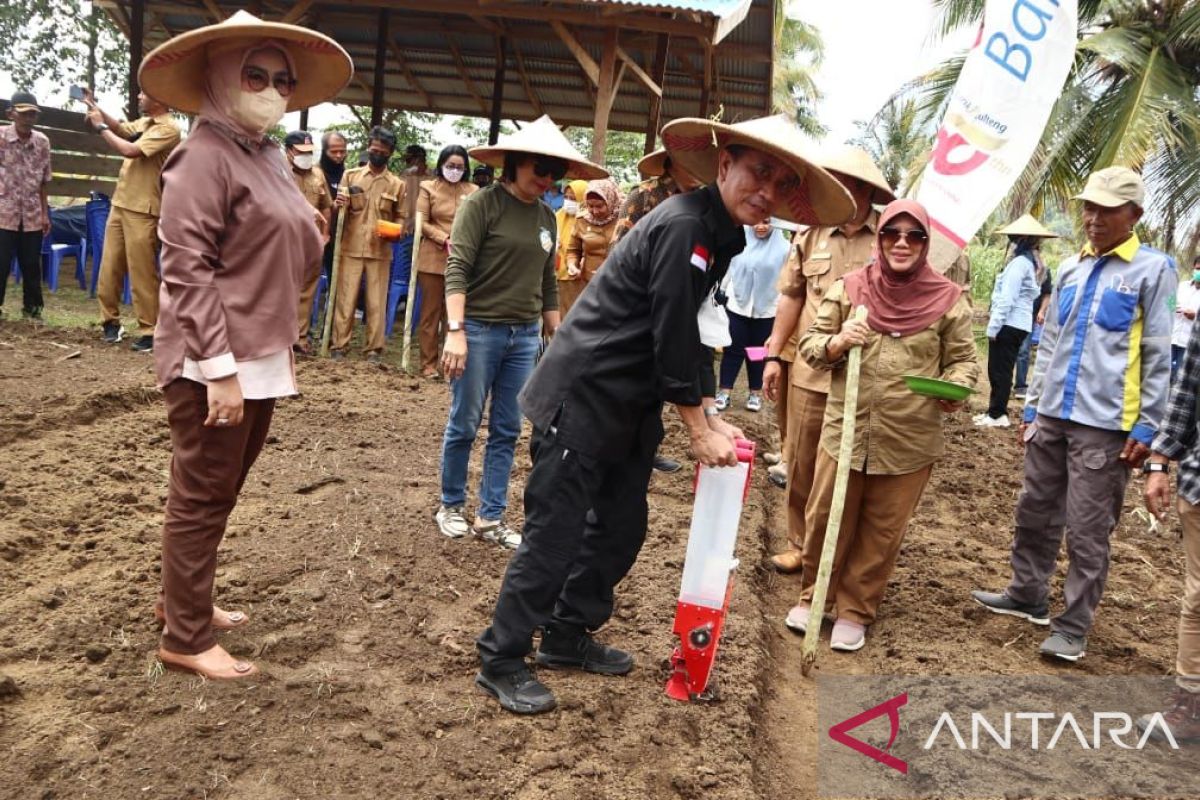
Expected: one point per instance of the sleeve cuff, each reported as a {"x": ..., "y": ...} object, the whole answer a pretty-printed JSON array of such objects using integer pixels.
[
  {"x": 218, "y": 367},
  {"x": 1168, "y": 446},
  {"x": 1142, "y": 433},
  {"x": 1029, "y": 414}
]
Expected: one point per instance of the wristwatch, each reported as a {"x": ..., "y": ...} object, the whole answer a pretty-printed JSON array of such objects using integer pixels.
[
  {"x": 772, "y": 360},
  {"x": 711, "y": 411},
  {"x": 1154, "y": 466},
  {"x": 454, "y": 327}
]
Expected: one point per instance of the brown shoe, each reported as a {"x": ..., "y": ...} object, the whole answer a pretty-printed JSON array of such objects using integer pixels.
[
  {"x": 1182, "y": 716},
  {"x": 787, "y": 562}
]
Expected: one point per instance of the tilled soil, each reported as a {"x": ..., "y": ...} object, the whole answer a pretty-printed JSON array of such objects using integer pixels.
[{"x": 363, "y": 616}]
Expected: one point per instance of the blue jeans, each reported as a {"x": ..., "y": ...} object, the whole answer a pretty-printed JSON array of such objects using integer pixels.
[
  {"x": 1022, "y": 381},
  {"x": 500, "y": 358}
]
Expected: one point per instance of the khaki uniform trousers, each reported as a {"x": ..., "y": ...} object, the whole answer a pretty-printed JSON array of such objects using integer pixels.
[
  {"x": 807, "y": 415},
  {"x": 130, "y": 246},
  {"x": 304, "y": 310},
  {"x": 568, "y": 293},
  {"x": 350, "y": 276},
  {"x": 878, "y": 508},
  {"x": 432, "y": 321},
  {"x": 1187, "y": 663},
  {"x": 781, "y": 407}
]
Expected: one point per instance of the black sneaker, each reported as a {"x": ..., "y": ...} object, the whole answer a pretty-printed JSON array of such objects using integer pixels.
[
  {"x": 337, "y": 355},
  {"x": 113, "y": 332},
  {"x": 666, "y": 464},
  {"x": 143, "y": 344},
  {"x": 1003, "y": 604},
  {"x": 581, "y": 652},
  {"x": 31, "y": 313},
  {"x": 518, "y": 692}
]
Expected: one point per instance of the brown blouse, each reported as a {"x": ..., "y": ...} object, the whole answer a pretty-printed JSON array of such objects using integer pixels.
[
  {"x": 238, "y": 240},
  {"x": 438, "y": 203},
  {"x": 589, "y": 246}
]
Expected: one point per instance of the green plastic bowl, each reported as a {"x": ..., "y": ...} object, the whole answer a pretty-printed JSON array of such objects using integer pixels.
[{"x": 940, "y": 390}]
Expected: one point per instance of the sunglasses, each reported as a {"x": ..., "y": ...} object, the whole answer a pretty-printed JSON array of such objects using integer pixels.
[
  {"x": 258, "y": 79},
  {"x": 891, "y": 236},
  {"x": 549, "y": 167}
]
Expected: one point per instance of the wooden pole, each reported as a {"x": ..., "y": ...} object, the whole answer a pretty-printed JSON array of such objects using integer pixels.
[
  {"x": 379, "y": 85},
  {"x": 498, "y": 89},
  {"x": 331, "y": 295},
  {"x": 412, "y": 293},
  {"x": 605, "y": 92},
  {"x": 304, "y": 120},
  {"x": 137, "y": 36},
  {"x": 660, "y": 76},
  {"x": 706, "y": 88}
]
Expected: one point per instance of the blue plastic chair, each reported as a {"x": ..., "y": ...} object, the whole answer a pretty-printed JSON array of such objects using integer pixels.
[
  {"x": 52, "y": 256},
  {"x": 401, "y": 273},
  {"x": 322, "y": 287},
  {"x": 98, "y": 209}
]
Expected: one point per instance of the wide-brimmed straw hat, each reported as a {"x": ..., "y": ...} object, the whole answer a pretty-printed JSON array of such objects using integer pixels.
[
  {"x": 1028, "y": 226},
  {"x": 695, "y": 145},
  {"x": 174, "y": 72},
  {"x": 652, "y": 165},
  {"x": 540, "y": 138},
  {"x": 857, "y": 163}
]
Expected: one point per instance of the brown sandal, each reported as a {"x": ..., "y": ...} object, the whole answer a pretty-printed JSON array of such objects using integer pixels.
[
  {"x": 236, "y": 619},
  {"x": 239, "y": 670}
]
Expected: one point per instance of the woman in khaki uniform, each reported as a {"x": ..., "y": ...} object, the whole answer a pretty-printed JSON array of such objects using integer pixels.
[
  {"x": 590, "y": 239},
  {"x": 918, "y": 323},
  {"x": 566, "y": 217},
  {"x": 438, "y": 203}
]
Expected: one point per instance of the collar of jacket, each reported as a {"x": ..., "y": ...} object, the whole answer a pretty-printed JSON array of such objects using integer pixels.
[
  {"x": 719, "y": 221},
  {"x": 1125, "y": 251}
]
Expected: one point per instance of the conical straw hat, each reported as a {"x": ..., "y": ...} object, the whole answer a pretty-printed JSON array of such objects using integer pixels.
[
  {"x": 857, "y": 163},
  {"x": 1027, "y": 226},
  {"x": 542, "y": 138},
  {"x": 174, "y": 72},
  {"x": 653, "y": 164},
  {"x": 695, "y": 145}
]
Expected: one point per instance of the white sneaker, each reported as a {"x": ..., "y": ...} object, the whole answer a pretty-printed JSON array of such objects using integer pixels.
[
  {"x": 495, "y": 531},
  {"x": 754, "y": 403},
  {"x": 999, "y": 422},
  {"x": 722, "y": 400},
  {"x": 980, "y": 419},
  {"x": 451, "y": 522}
]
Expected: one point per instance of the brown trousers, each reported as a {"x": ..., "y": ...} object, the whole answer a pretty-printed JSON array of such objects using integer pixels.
[
  {"x": 781, "y": 407},
  {"x": 377, "y": 270},
  {"x": 877, "y": 511},
  {"x": 130, "y": 246},
  {"x": 304, "y": 310},
  {"x": 432, "y": 322},
  {"x": 807, "y": 410},
  {"x": 208, "y": 467},
  {"x": 1187, "y": 663},
  {"x": 568, "y": 293}
]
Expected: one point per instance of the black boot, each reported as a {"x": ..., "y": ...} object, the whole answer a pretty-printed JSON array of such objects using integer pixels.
[
  {"x": 580, "y": 651},
  {"x": 519, "y": 691}
]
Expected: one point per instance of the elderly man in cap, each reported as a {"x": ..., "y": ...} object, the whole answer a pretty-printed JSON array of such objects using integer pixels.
[
  {"x": 24, "y": 210},
  {"x": 821, "y": 256},
  {"x": 1098, "y": 394},
  {"x": 312, "y": 184},
  {"x": 596, "y": 399},
  {"x": 131, "y": 234}
]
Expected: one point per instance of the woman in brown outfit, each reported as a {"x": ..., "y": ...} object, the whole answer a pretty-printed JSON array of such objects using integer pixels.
[
  {"x": 590, "y": 239},
  {"x": 438, "y": 204},
  {"x": 238, "y": 239}
]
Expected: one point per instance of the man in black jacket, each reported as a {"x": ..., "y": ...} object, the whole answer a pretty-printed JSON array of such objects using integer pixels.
[{"x": 630, "y": 344}]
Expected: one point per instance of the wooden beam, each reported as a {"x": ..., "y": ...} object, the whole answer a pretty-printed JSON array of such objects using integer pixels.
[
  {"x": 590, "y": 68},
  {"x": 654, "y": 118},
  {"x": 214, "y": 10},
  {"x": 398, "y": 54},
  {"x": 529, "y": 92},
  {"x": 137, "y": 44},
  {"x": 488, "y": 25},
  {"x": 706, "y": 82},
  {"x": 297, "y": 12},
  {"x": 628, "y": 61},
  {"x": 466, "y": 76},
  {"x": 381, "y": 40},
  {"x": 498, "y": 89},
  {"x": 607, "y": 89}
]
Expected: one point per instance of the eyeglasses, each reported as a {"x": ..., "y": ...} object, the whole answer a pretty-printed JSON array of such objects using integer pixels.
[
  {"x": 258, "y": 79},
  {"x": 891, "y": 236},
  {"x": 549, "y": 167}
]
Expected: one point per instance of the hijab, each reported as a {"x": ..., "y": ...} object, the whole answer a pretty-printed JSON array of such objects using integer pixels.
[
  {"x": 607, "y": 191},
  {"x": 754, "y": 272},
  {"x": 224, "y": 79},
  {"x": 901, "y": 303}
]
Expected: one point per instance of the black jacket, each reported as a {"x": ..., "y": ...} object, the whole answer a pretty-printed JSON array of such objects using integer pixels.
[{"x": 631, "y": 340}]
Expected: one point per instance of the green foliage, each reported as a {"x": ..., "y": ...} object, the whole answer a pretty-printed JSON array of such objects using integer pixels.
[
  {"x": 897, "y": 140},
  {"x": 622, "y": 149},
  {"x": 798, "y": 54},
  {"x": 49, "y": 41},
  {"x": 410, "y": 127},
  {"x": 473, "y": 131}
]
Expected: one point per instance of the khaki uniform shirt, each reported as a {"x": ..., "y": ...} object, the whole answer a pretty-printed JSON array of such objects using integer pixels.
[
  {"x": 438, "y": 203},
  {"x": 139, "y": 187},
  {"x": 312, "y": 185},
  {"x": 382, "y": 198},
  {"x": 819, "y": 257},
  {"x": 589, "y": 246},
  {"x": 896, "y": 431}
]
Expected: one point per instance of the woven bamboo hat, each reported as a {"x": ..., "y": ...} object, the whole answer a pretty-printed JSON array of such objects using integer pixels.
[
  {"x": 1028, "y": 226},
  {"x": 695, "y": 145},
  {"x": 174, "y": 72},
  {"x": 653, "y": 165},
  {"x": 540, "y": 138},
  {"x": 857, "y": 163}
]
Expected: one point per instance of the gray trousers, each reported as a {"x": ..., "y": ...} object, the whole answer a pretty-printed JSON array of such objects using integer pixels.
[{"x": 1073, "y": 479}]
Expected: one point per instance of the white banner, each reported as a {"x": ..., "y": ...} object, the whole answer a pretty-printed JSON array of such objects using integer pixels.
[{"x": 998, "y": 111}]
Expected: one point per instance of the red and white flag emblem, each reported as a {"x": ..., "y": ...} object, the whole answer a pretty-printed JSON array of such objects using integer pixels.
[{"x": 700, "y": 258}]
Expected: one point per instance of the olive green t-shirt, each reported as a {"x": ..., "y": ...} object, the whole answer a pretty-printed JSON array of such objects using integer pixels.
[{"x": 502, "y": 257}]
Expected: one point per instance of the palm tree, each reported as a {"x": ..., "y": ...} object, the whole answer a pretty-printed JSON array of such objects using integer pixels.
[
  {"x": 1131, "y": 98},
  {"x": 798, "y": 54},
  {"x": 898, "y": 141}
]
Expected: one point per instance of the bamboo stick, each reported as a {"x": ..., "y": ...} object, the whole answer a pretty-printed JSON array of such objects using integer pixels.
[{"x": 412, "y": 293}]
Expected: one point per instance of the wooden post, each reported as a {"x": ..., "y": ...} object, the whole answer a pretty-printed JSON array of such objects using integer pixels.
[
  {"x": 659, "y": 76},
  {"x": 706, "y": 88},
  {"x": 498, "y": 89},
  {"x": 304, "y": 120},
  {"x": 377, "y": 89},
  {"x": 605, "y": 93},
  {"x": 137, "y": 31}
]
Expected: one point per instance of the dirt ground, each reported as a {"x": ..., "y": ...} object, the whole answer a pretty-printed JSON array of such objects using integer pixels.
[{"x": 363, "y": 616}]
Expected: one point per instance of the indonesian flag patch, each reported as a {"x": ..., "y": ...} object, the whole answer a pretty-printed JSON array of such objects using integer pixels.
[{"x": 700, "y": 258}]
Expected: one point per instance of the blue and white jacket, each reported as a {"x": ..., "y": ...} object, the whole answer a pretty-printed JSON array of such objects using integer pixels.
[
  {"x": 1105, "y": 355},
  {"x": 1013, "y": 298}
]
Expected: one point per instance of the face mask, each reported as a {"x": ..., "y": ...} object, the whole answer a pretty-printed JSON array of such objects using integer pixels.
[
  {"x": 377, "y": 159},
  {"x": 302, "y": 162},
  {"x": 453, "y": 175},
  {"x": 258, "y": 111},
  {"x": 1196, "y": 275},
  {"x": 571, "y": 206}
]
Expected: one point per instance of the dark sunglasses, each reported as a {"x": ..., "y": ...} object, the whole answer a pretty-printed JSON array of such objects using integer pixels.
[
  {"x": 892, "y": 235},
  {"x": 549, "y": 167},
  {"x": 258, "y": 79}
]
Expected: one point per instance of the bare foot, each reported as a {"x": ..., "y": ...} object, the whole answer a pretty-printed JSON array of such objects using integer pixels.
[{"x": 215, "y": 664}]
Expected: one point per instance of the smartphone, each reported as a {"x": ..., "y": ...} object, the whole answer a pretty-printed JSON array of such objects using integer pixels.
[{"x": 75, "y": 92}]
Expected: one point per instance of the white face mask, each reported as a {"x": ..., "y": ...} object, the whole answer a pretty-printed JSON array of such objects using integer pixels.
[
  {"x": 571, "y": 206},
  {"x": 257, "y": 111},
  {"x": 303, "y": 161},
  {"x": 453, "y": 175}
]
